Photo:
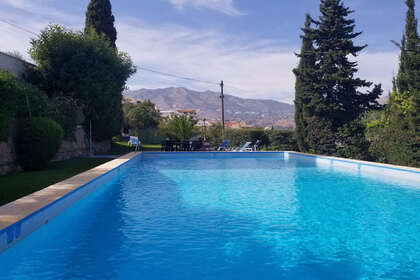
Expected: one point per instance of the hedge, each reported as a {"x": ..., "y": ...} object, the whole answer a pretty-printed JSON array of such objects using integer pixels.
[
  {"x": 18, "y": 100},
  {"x": 37, "y": 141}
]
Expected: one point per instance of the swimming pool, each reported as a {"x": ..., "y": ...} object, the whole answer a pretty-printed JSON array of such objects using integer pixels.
[{"x": 232, "y": 216}]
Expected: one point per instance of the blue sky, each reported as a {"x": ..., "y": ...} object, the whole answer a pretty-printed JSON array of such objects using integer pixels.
[{"x": 248, "y": 43}]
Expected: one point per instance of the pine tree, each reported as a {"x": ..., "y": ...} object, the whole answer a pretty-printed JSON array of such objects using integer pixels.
[
  {"x": 334, "y": 40},
  {"x": 335, "y": 100},
  {"x": 100, "y": 19},
  {"x": 303, "y": 84}
]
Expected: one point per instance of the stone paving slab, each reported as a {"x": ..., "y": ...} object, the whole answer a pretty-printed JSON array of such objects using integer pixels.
[{"x": 25, "y": 206}]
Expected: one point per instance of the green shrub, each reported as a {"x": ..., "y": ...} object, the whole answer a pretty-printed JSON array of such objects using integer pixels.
[
  {"x": 179, "y": 128},
  {"x": 282, "y": 140},
  {"x": 151, "y": 136},
  {"x": 393, "y": 134},
  {"x": 18, "y": 100},
  {"x": 5, "y": 123},
  {"x": 8, "y": 91},
  {"x": 67, "y": 113},
  {"x": 37, "y": 142},
  {"x": 352, "y": 142},
  {"x": 238, "y": 137}
]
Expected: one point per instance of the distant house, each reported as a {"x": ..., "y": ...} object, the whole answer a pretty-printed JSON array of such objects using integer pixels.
[
  {"x": 168, "y": 113},
  {"x": 14, "y": 65},
  {"x": 187, "y": 111},
  {"x": 237, "y": 124},
  {"x": 202, "y": 123},
  {"x": 178, "y": 112}
]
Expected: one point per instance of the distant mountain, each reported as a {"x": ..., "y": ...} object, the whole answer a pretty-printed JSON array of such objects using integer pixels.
[{"x": 208, "y": 105}]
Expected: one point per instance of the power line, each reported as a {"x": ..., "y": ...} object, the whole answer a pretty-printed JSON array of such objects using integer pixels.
[
  {"x": 18, "y": 27},
  {"x": 176, "y": 76},
  {"x": 138, "y": 67}
]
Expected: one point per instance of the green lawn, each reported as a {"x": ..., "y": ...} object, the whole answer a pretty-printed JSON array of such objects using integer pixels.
[
  {"x": 119, "y": 148},
  {"x": 17, "y": 185}
]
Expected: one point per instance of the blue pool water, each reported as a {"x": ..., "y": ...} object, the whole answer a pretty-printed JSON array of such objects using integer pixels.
[{"x": 218, "y": 217}]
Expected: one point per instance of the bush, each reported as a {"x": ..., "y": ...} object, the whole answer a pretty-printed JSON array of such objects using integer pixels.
[
  {"x": 151, "y": 136},
  {"x": 238, "y": 137},
  {"x": 351, "y": 141},
  {"x": 37, "y": 142},
  {"x": 141, "y": 116},
  {"x": 214, "y": 134},
  {"x": 67, "y": 113},
  {"x": 282, "y": 140},
  {"x": 5, "y": 123},
  {"x": 18, "y": 100},
  {"x": 393, "y": 133},
  {"x": 179, "y": 128}
]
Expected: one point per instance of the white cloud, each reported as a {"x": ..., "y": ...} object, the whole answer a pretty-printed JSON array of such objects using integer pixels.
[
  {"x": 379, "y": 67},
  {"x": 40, "y": 9},
  {"x": 223, "y": 6},
  {"x": 263, "y": 70}
]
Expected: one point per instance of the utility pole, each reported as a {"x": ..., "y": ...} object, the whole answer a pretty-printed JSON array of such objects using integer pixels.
[
  {"x": 205, "y": 129},
  {"x": 90, "y": 139},
  {"x": 222, "y": 96}
]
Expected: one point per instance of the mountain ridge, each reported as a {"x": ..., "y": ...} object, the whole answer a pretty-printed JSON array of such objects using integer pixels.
[{"x": 257, "y": 112}]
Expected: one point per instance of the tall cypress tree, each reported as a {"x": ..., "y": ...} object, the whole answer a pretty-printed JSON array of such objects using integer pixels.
[
  {"x": 303, "y": 84},
  {"x": 402, "y": 127},
  {"x": 100, "y": 19},
  {"x": 409, "y": 70},
  {"x": 336, "y": 101}
]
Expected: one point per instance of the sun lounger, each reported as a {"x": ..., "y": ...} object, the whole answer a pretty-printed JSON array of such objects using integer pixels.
[
  {"x": 223, "y": 146},
  {"x": 246, "y": 147}
]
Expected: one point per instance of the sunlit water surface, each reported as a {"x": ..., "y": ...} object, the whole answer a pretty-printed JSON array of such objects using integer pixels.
[{"x": 230, "y": 217}]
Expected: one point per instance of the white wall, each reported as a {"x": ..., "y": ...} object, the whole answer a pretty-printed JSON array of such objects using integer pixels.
[{"x": 13, "y": 65}]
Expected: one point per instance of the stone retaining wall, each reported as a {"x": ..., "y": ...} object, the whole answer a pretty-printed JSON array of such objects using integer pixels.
[
  {"x": 7, "y": 157},
  {"x": 77, "y": 147}
]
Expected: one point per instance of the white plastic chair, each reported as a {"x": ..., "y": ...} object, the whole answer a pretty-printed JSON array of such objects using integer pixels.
[{"x": 134, "y": 141}]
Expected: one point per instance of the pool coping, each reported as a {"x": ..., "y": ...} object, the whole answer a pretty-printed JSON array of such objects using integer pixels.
[
  {"x": 26, "y": 206},
  {"x": 367, "y": 163},
  {"x": 363, "y": 162}
]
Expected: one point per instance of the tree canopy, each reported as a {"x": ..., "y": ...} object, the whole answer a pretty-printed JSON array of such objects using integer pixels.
[
  {"x": 143, "y": 115},
  {"x": 100, "y": 19},
  {"x": 329, "y": 96},
  {"x": 179, "y": 127},
  {"x": 84, "y": 67},
  {"x": 395, "y": 134},
  {"x": 303, "y": 87}
]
